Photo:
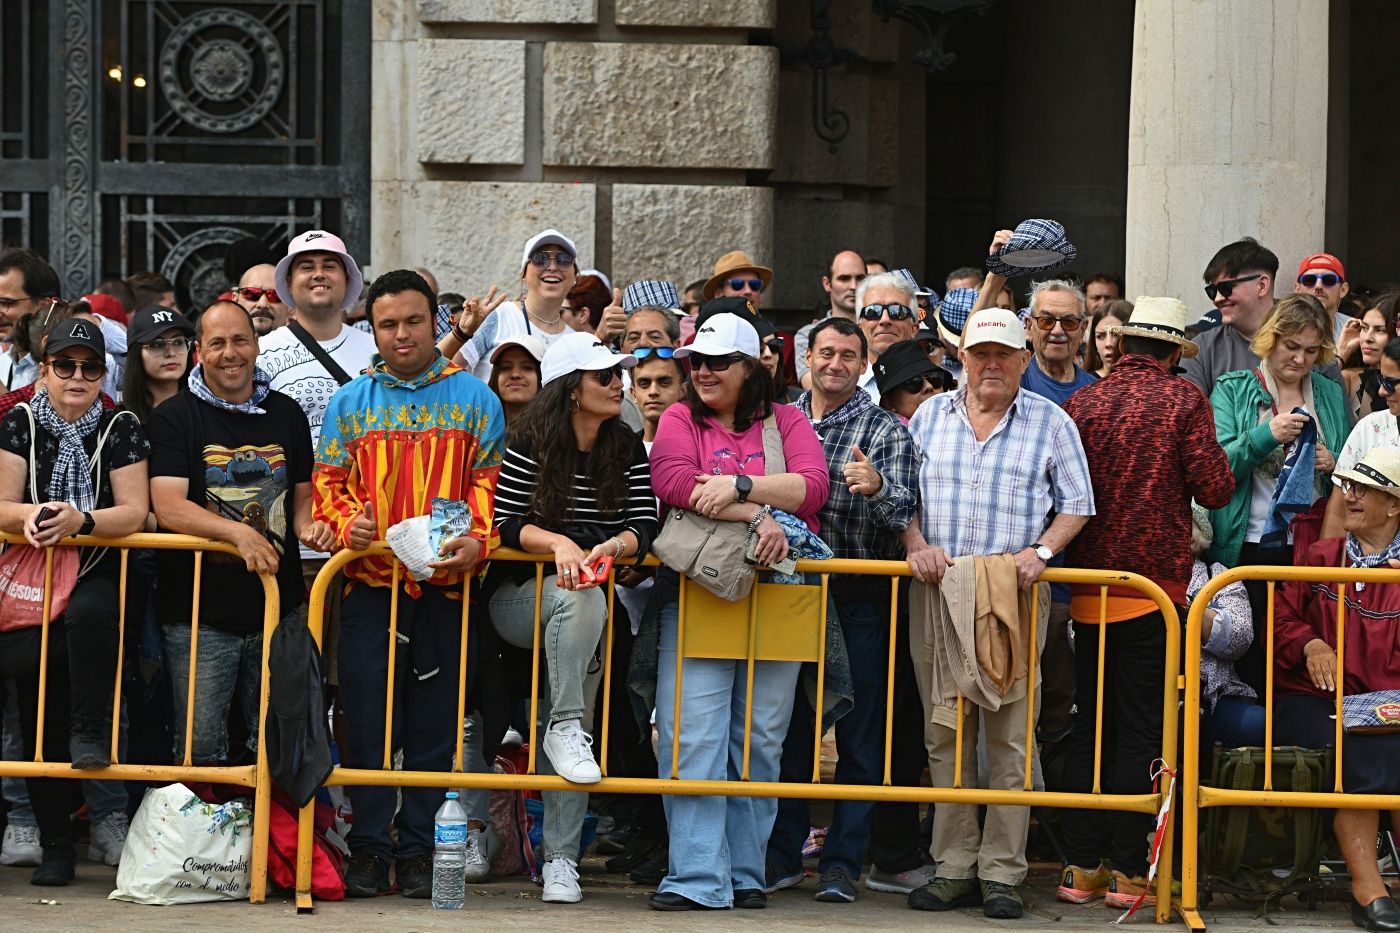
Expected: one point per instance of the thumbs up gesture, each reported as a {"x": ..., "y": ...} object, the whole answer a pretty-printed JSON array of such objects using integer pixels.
[
  {"x": 613, "y": 323},
  {"x": 861, "y": 475},
  {"x": 364, "y": 529}
]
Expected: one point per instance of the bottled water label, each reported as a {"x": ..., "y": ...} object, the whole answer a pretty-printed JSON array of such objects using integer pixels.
[{"x": 450, "y": 834}]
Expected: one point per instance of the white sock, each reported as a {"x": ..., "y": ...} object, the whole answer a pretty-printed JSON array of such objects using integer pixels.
[{"x": 568, "y": 725}]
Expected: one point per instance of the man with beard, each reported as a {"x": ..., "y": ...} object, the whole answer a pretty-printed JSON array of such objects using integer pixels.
[{"x": 257, "y": 294}]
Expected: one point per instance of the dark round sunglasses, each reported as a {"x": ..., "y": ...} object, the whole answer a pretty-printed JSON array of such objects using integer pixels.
[{"x": 897, "y": 312}]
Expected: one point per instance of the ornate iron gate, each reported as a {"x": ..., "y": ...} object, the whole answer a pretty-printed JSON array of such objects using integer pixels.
[{"x": 149, "y": 134}]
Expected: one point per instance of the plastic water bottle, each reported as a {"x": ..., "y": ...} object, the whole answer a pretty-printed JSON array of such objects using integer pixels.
[{"x": 449, "y": 854}]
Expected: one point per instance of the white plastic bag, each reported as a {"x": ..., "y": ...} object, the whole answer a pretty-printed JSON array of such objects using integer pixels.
[{"x": 181, "y": 850}]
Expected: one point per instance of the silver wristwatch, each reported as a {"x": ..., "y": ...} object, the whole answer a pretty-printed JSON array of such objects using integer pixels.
[{"x": 1043, "y": 552}]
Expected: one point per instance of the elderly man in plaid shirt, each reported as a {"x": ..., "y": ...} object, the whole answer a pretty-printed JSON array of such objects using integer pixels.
[
  {"x": 995, "y": 462},
  {"x": 873, "y": 470}
]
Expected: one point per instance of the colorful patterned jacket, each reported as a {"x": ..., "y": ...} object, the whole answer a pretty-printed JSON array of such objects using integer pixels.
[{"x": 397, "y": 444}]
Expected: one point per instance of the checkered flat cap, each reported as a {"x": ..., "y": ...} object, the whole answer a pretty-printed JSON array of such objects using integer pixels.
[{"x": 653, "y": 293}]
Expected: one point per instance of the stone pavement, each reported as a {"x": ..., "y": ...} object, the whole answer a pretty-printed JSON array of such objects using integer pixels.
[{"x": 609, "y": 904}]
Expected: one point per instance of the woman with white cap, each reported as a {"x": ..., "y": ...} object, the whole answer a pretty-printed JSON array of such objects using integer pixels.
[
  {"x": 1305, "y": 667},
  {"x": 515, "y": 372},
  {"x": 709, "y": 457},
  {"x": 575, "y": 484}
]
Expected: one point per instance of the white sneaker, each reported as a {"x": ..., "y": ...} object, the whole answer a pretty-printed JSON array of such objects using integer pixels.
[
  {"x": 108, "y": 839},
  {"x": 561, "y": 882},
  {"x": 569, "y": 749},
  {"x": 513, "y": 738},
  {"x": 901, "y": 882},
  {"x": 478, "y": 865},
  {"x": 21, "y": 845}
]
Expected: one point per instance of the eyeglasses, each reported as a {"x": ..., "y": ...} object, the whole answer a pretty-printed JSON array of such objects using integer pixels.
[
  {"x": 253, "y": 293},
  {"x": 1356, "y": 490},
  {"x": 561, "y": 260},
  {"x": 1328, "y": 279},
  {"x": 1386, "y": 384},
  {"x": 897, "y": 312},
  {"x": 663, "y": 353},
  {"x": 162, "y": 344},
  {"x": 7, "y": 303},
  {"x": 753, "y": 284},
  {"x": 1048, "y": 322},
  {"x": 715, "y": 364},
  {"x": 65, "y": 367},
  {"x": 775, "y": 344},
  {"x": 1224, "y": 287},
  {"x": 605, "y": 377},
  {"x": 916, "y": 385}
]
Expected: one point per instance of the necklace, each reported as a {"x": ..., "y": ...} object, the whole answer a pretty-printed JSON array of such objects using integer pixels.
[{"x": 557, "y": 318}]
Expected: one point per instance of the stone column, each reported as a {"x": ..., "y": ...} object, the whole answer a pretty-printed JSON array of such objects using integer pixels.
[
  {"x": 630, "y": 125},
  {"x": 1227, "y": 137}
]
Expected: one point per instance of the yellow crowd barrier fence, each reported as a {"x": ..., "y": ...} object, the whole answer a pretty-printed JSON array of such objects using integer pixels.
[
  {"x": 1195, "y": 796},
  {"x": 775, "y": 623},
  {"x": 253, "y": 776}
]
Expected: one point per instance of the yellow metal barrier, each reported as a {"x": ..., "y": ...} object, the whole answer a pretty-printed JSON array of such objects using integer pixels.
[
  {"x": 809, "y": 646},
  {"x": 254, "y": 776},
  {"x": 1193, "y": 795}
]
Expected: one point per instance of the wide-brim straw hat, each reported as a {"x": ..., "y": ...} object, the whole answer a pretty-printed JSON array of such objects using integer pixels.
[
  {"x": 1379, "y": 469},
  {"x": 1159, "y": 319},
  {"x": 730, "y": 263}
]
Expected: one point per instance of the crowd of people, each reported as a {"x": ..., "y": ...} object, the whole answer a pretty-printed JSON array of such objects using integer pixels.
[{"x": 305, "y": 411}]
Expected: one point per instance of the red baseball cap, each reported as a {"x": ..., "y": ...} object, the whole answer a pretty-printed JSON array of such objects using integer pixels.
[
  {"x": 1323, "y": 261},
  {"x": 108, "y": 306}
]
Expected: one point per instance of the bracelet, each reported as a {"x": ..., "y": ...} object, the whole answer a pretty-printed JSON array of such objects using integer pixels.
[
  {"x": 459, "y": 333},
  {"x": 618, "y": 546},
  {"x": 757, "y": 520}
]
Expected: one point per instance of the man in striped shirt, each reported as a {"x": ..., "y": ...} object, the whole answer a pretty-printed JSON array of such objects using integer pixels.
[{"x": 995, "y": 461}]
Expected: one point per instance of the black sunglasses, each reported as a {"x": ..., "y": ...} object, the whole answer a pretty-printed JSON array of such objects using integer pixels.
[
  {"x": 715, "y": 364},
  {"x": 774, "y": 343},
  {"x": 1386, "y": 384},
  {"x": 64, "y": 368},
  {"x": 664, "y": 353},
  {"x": 606, "y": 376},
  {"x": 897, "y": 312},
  {"x": 1328, "y": 279},
  {"x": 1224, "y": 287},
  {"x": 916, "y": 385}
]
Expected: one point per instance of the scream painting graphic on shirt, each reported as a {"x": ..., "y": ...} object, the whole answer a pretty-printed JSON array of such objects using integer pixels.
[{"x": 249, "y": 484}]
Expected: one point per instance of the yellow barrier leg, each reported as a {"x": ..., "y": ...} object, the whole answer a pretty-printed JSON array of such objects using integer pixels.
[
  {"x": 889, "y": 682},
  {"x": 607, "y": 676},
  {"x": 115, "y": 748},
  {"x": 1031, "y": 654},
  {"x": 748, "y": 683},
  {"x": 306, "y": 819},
  {"x": 194, "y": 661},
  {"x": 680, "y": 668},
  {"x": 389, "y": 678},
  {"x": 262, "y": 783},
  {"x": 535, "y": 671},
  {"x": 462, "y": 662},
  {"x": 44, "y": 656}
]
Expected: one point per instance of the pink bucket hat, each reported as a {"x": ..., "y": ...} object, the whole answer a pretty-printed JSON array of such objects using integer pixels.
[{"x": 319, "y": 241}]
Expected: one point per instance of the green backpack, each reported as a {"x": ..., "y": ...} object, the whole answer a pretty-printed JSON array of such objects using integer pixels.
[{"x": 1266, "y": 852}]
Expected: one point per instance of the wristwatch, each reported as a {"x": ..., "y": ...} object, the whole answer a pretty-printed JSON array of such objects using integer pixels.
[
  {"x": 743, "y": 485},
  {"x": 89, "y": 523},
  {"x": 1043, "y": 552}
]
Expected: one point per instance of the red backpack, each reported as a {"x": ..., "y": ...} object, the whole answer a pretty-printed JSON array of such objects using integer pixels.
[{"x": 327, "y": 862}]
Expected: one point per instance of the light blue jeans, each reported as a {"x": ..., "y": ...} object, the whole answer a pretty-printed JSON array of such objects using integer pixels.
[
  {"x": 708, "y": 866},
  {"x": 571, "y": 625}
]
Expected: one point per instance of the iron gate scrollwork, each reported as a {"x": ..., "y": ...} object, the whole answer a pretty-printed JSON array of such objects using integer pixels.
[{"x": 150, "y": 134}]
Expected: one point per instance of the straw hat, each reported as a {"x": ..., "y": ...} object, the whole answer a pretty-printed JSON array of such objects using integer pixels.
[
  {"x": 1380, "y": 469},
  {"x": 730, "y": 263},
  {"x": 1159, "y": 319}
]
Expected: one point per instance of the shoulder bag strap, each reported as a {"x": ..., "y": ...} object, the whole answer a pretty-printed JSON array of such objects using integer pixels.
[
  {"x": 33, "y": 460},
  {"x": 773, "y": 459},
  {"x": 1265, "y": 386},
  {"x": 319, "y": 352}
]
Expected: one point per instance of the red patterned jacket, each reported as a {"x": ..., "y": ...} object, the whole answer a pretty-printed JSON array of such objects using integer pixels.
[{"x": 1150, "y": 440}]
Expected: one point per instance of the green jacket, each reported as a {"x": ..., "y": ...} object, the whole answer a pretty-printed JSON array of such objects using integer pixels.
[{"x": 1236, "y": 399}]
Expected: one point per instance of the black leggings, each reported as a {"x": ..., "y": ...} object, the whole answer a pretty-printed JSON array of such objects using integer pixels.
[{"x": 19, "y": 661}]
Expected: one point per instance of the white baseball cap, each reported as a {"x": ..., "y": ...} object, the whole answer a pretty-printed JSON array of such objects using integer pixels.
[
  {"x": 318, "y": 241},
  {"x": 547, "y": 238},
  {"x": 531, "y": 344},
  {"x": 722, "y": 335},
  {"x": 577, "y": 351},
  {"x": 994, "y": 325}
]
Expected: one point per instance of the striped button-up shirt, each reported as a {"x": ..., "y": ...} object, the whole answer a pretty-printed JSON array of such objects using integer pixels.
[{"x": 996, "y": 496}]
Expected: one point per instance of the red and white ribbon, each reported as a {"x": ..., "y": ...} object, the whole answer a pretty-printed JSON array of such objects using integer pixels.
[{"x": 1159, "y": 768}]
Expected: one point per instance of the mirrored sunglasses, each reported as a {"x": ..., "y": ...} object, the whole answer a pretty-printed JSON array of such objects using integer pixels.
[{"x": 897, "y": 312}]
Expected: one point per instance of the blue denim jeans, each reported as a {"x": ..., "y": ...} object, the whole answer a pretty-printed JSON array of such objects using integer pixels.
[
  {"x": 718, "y": 844},
  {"x": 1236, "y": 722},
  {"x": 571, "y": 626},
  {"x": 425, "y": 723},
  {"x": 860, "y": 742},
  {"x": 229, "y": 667}
]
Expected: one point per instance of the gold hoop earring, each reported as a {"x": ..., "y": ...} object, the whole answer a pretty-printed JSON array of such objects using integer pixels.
[{"x": 575, "y": 405}]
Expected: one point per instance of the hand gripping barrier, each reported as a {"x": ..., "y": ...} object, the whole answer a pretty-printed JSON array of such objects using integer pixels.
[
  {"x": 745, "y": 631},
  {"x": 1194, "y": 797},
  {"x": 253, "y": 776}
]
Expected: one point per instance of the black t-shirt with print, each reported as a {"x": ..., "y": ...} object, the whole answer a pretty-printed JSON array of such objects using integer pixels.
[
  {"x": 126, "y": 444},
  {"x": 242, "y": 467}
]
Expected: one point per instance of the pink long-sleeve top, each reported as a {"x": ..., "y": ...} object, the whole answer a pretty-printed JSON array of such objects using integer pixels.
[{"x": 684, "y": 449}]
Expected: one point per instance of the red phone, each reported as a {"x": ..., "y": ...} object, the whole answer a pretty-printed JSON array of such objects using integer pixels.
[{"x": 598, "y": 573}]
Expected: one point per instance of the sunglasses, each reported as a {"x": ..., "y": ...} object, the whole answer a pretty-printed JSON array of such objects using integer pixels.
[
  {"x": 661, "y": 353},
  {"x": 775, "y": 344},
  {"x": 561, "y": 260},
  {"x": 896, "y": 312},
  {"x": 605, "y": 377},
  {"x": 1224, "y": 287},
  {"x": 715, "y": 364},
  {"x": 1327, "y": 279},
  {"x": 161, "y": 344},
  {"x": 253, "y": 293},
  {"x": 1387, "y": 385},
  {"x": 916, "y": 385},
  {"x": 753, "y": 284},
  {"x": 1048, "y": 322},
  {"x": 64, "y": 368}
]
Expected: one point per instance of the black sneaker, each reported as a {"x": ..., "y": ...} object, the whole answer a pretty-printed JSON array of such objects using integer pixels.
[
  {"x": 415, "y": 876},
  {"x": 639, "y": 849},
  {"x": 57, "y": 868},
  {"x": 836, "y": 887},
  {"x": 89, "y": 752},
  {"x": 367, "y": 875},
  {"x": 656, "y": 867}
]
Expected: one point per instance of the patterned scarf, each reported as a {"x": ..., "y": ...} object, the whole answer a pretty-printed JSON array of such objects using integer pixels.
[
  {"x": 1379, "y": 559},
  {"x": 72, "y": 477},
  {"x": 262, "y": 384}
]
